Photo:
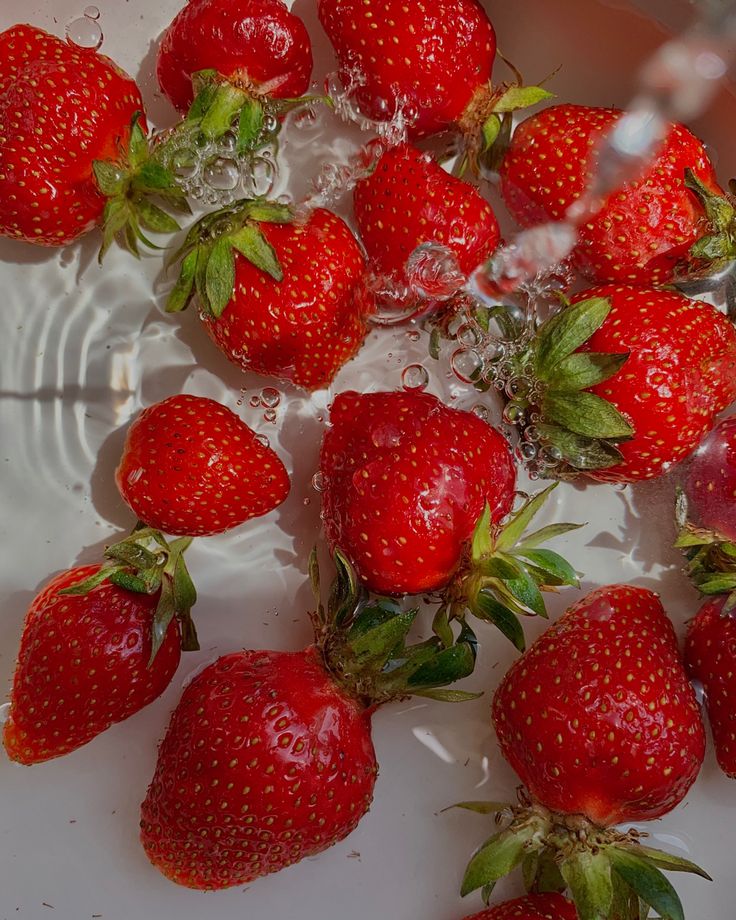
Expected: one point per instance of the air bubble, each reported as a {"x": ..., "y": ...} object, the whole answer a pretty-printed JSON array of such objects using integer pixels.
[
  {"x": 84, "y": 32},
  {"x": 221, "y": 174},
  {"x": 263, "y": 440},
  {"x": 92, "y": 12},
  {"x": 528, "y": 451},
  {"x": 469, "y": 335},
  {"x": 261, "y": 178},
  {"x": 318, "y": 482},
  {"x": 415, "y": 377},
  {"x": 466, "y": 365},
  {"x": 270, "y": 415},
  {"x": 433, "y": 272},
  {"x": 413, "y": 335},
  {"x": 481, "y": 412},
  {"x": 255, "y": 402},
  {"x": 270, "y": 398}
]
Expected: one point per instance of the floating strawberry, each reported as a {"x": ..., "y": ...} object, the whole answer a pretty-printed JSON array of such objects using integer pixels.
[
  {"x": 99, "y": 643},
  {"x": 268, "y": 758},
  {"x": 414, "y": 493},
  {"x": 408, "y": 201},
  {"x": 711, "y": 480},
  {"x": 431, "y": 63},
  {"x": 192, "y": 467},
  {"x": 601, "y": 725},
  {"x": 246, "y": 59},
  {"x": 674, "y": 221},
  {"x": 532, "y": 907},
  {"x": 280, "y": 298},
  {"x": 72, "y": 149},
  {"x": 627, "y": 381}
]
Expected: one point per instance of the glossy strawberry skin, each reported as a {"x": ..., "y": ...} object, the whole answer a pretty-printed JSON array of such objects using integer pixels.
[
  {"x": 434, "y": 56},
  {"x": 405, "y": 480},
  {"x": 191, "y": 467},
  {"x": 265, "y": 762},
  {"x": 62, "y": 107},
  {"x": 256, "y": 44},
  {"x": 83, "y": 665},
  {"x": 597, "y": 717},
  {"x": 711, "y": 480},
  {"x": 681, "y": 372},
  {"x": 710, "y": 657},
  {"x": 409, "y": 200},
  {"x": 304, "y": 328},
  {"x": 531, "y": 907},
  {"x": 643, "y": 232}
]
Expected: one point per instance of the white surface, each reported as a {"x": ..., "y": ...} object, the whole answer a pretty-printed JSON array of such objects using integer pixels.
[{"x": 83, "y": 350}]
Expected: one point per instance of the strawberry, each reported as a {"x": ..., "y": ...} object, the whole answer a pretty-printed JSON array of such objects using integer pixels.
[
  {"x": 669, "y": 223},
  {"x": 413, "y": 495},
  {"x": 99, "y": 643},
  {"x": 268, "y": 758},
  {"x": 429, "y": 62},
  {"x": 710, "y": 654},
  {"x": 627, "y": 381},
  {"x": 532, "y": 907},
  {"x": 600, "y": 723},
  {"x": 192, "y": 467},
  {"x": 409, "y": 200},
  {"x": 711, "y": 480},
  {"x": 74, "y": 154},
  {"x": 247, "y": 58},
  {"x": 280, "y": 298}
]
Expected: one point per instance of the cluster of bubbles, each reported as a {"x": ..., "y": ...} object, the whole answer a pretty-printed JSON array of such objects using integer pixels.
[{"x": 269, "y": 399}]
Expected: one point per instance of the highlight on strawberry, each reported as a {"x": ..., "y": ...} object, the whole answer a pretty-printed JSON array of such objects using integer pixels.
[
  {"x": 602, "y": 726},
  {"x": 268, "y": 758},
  {"x": 282, "y": 298},
  {"x": 100, "y": 642},
  {"x": 191, "y": 467},
  {"x": 235, "y": 65},
  {"x": 79, "y": 157},
  {"x": 418, "y": 496}
]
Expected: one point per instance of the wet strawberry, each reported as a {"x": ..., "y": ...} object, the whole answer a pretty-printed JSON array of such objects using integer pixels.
[
  {"x": 269, "y": 759},
  {"x": 280, "y": 298},
  {"x": 192, "y": 467},
  {"x": 532, "y": 907},
  {"x": 711, "y": 480},
  {"x": 665, "y": 224}
]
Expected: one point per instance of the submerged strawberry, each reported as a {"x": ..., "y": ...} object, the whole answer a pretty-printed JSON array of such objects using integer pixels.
[
  {"x": 268, "y": 759},
  {"x": 192, "y": 467},
  {"x": 99, "y": 643},
  {"x": 410, "y": 200},
  {"x": 532, "y": 907},
  {"x": 72, "y": 151},
  {"x": 282, "y": 299},
  {"x": 671, "y": 222},
  {"x": 600, "y": 723}
]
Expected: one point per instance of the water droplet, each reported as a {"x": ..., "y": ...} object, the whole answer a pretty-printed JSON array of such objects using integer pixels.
[
  {"x": 466, "y": 365},
  {"x": 307, "y": 501},
  {"x": 255, "y": 402},
  {"x": 270, "y": 126},
  {"x": 481, "y": 411},
  {"x": 263, "y": 440},
  {"x": 92, "y": 12},
  {"x": 270, "y": 415},
  {"x": 469, "y": 335},
  {"x": 513, "y": 414},
  {"x": 196, "y": 191},
  {"x": 433, "y": 271},
  {"x": 415, "y": 377},
  {"x": 270, "y": 397},
  {"x": 318, "y": 482},
  {"x": 528, "y": 451},
  {"x": 84, "y": 32},
  {"x": 261, "y": 176},
  {"x": 221, "y": 173},
  {"x": 228, "y": 143}
]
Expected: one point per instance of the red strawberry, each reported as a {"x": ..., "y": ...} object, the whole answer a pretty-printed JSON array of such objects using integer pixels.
[
  {"x": 644, "y": 233},
  {"x": 99, "y": 643},
  {"x": 257, "y": 45},
  {"x": 532, "y": 907},
  {"x": 710, "y": 656},
  {"x": 71, "y": 139},
  {"x": 405, "y": 481},
  {"x": 711, "y": 480},
  {"x": 279, "y": 298},
  {"x": 192, "y": 467},
  {"x": 600, "y": 723},
  {"x": 268, "y": 758},
  {"x": 629, "y": 380},
  {"x": 410, "y": 200}
]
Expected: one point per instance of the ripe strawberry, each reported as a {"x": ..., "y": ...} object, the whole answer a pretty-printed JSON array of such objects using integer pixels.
[
  {"x": 279, "y": 298},
  {"x": 599, "y": 721},
  {"x": 99, "y": 643},
  {"x": 192, "y": 467},
  {"x": 410, "y": 200},
  {"x": 531, "y": 907},
  {"x": 72, "y": 151},
  {"x": 711, "y": 480},
  {"x": 269, "y": 759},
  {"x": 669, "y": 223},
  {"x": 629, "y": 380},
  {"x": 710, "y": 656}
]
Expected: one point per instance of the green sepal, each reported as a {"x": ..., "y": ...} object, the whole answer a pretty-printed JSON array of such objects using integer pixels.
[
  {"x": 566, "y": 331},
  {"x": 585, "y": 414},
  {"x": 521, "y": 97},
  {"x": 482, "y": 808},
  {"x": 667, "y": 861},
  {"x": 497, "y": 857},
  {"x": 549, "y": 561},
  {"x": 486, "y": 607},
  {"x": 585, "y": 369},
  {"x": 588, "y": 876},
  {"x": 250, "y": 126},
  {"x": 647, "y": 881},
  {"x": 581, "y": 453},
  {"x": 251, "y": 243},
  {"x": 717, "y": 247},
  {"x": 220, "y": 276},
  {"x": 518, "y": 522}
]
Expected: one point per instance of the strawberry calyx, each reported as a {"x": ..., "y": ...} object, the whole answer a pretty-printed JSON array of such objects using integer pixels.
[
  {"x": 717, "y": 247},
  {"x": 711, "y": 557},
  {"x": 147, "y": 563},
  {"x": 208, "y": 253},
  {"x": 131, "y": 184},
  {"x": 363, "y": 641},
  {"x": 505, "y": 572},
  {"x": 610, "y": 875}
]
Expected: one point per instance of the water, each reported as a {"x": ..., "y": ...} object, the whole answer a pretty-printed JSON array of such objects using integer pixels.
[{"x": 85, "y": 31}]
